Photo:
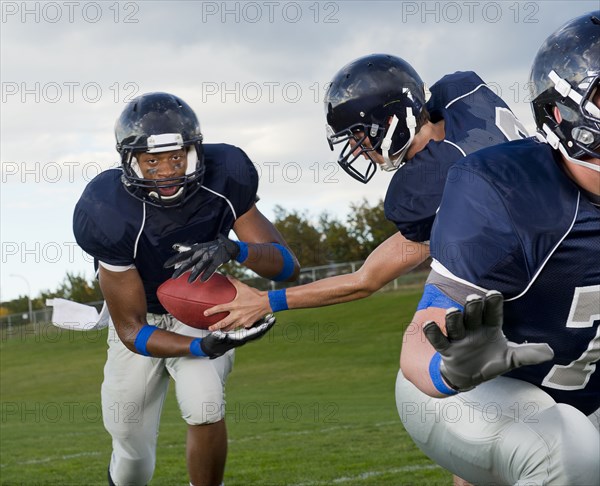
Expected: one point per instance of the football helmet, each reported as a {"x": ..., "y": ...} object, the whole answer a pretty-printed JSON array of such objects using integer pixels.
[
  {"x": 377, "y": 97},
  {"x": 566, "y": 74},
  {"x": 153, "y": 123}
]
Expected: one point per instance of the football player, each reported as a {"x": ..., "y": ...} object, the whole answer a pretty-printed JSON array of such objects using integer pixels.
[
  {"x": 171, "y": 189},
  {"x": 522, "y": 218},
  {"x": 376, "y": 110}
]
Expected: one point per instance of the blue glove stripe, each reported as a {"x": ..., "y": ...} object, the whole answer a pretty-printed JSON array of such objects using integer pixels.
[
  {"x": 434, "y": 297},
  {"x": 243, "y": 255},
  {"x": 436, "y": 376},
  {"x": 196, "y": 349},
  {"x": 141, "y": 340},
  {"x": 278, "y": 300},
  {"x": 288, "y": 264}
]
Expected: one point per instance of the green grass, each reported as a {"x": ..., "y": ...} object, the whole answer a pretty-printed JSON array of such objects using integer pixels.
[{"x": 310, "y": 404}]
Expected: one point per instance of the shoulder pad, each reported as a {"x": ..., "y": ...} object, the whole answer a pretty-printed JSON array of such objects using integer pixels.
[{"x": 107, "y": 219}]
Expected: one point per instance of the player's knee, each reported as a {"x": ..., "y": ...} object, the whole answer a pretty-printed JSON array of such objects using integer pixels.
[
  {"x": 132, "y": 471},
  {"x": 580, "y": 447},
  {"x": 568, "y": 447},
  {"x": 208, "y": 411}
]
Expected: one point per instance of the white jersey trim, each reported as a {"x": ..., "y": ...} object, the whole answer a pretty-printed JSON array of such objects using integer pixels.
[
  {"x": 456, "y": 147},
  {"x": 444, "y": 272},
  {"x": 466, "y": 94},
  {"x": 116, "y": 268},
  {"x": 137, "y": 240},
  {"x": 450, "y": 103},
  {"x": 534, "y": 278},
  {"x": 227, "y": 200}
]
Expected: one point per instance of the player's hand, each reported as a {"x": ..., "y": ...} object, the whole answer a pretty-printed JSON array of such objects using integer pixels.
[
  {"x": 202, "y": 258},
  {"x": 475, "y": 349},
  {"x": 248, "y": 306},
  {"x": 218, "y": 343}
]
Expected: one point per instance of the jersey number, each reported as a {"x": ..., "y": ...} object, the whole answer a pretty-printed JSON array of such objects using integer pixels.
[
  {"x": 509, "y": 125},
  {"x": 585, "y": 309}
]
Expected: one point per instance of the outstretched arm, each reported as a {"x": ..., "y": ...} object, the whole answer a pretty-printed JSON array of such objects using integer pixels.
[{"x": 394, "y": 257}]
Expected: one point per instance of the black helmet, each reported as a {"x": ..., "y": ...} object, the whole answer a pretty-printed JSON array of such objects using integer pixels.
[
  {"x": 362, "y": 97},
  {"x": 159, "y": 122},
  {"x": 565, "y": 74}
]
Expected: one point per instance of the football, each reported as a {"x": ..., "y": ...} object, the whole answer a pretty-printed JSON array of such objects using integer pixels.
[{"x": 187, "y": 301}]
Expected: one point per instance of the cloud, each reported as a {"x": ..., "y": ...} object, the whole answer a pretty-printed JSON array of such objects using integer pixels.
[{"x": 255, "y": 72}]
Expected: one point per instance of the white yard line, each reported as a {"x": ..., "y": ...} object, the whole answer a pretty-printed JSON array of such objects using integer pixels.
[
  {"x": 54, "y": 458},
  {"x": 369, "y": 474}
]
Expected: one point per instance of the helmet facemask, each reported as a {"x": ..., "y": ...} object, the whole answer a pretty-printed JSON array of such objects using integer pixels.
[
  {"x": 351, "y": 157},
  {"x": 392, "y": 143},
  {"x": 156, "y": 123},
  {"x": 577, "y": 135},
  {"x": 148, "y": 189}
]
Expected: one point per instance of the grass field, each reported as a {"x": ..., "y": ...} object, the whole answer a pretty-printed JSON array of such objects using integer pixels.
[{"x": 311, "y": 404}]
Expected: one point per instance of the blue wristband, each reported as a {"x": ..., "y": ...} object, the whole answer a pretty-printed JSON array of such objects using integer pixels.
[
  {"x": 196, "y": 349},
  {"x": 277, "y": 300},
  {"x": 288, "y": 264},
  {"x": 141, "y": 340},
  {"x": 243, "y": 254},
  {"x": 436, "y": 376}
]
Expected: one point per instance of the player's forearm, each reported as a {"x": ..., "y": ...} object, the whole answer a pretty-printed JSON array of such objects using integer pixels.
[
  {"x": 394, "y": 257},
  {"x": 330, "y": 291},
  {"x": 138, "y": 336},
  {"x": 126, "y": 300},
  {"x": 272, "y": 261}
]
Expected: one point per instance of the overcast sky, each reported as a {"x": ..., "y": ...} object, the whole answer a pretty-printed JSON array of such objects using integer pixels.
[{"x": 254, "y": 72}]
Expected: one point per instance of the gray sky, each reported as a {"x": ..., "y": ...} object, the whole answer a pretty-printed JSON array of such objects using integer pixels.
[{"x": 254, "y": 72}]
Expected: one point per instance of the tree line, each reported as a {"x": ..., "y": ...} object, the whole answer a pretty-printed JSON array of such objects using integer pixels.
[{"x": 315, "y": 241}]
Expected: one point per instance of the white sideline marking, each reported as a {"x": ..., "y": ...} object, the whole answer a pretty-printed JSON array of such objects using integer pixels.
[
  {"x": 369, "y": 475},
  {"x": 48, "y": 459},
  {"x": 311, "y": 431},
  {"x": 245, "y": 439}
]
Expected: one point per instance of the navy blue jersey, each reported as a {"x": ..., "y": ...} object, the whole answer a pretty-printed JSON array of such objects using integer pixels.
[
  {"x": 118, "y": 229},
  {"x": 512, "y": 220},
  {"x": 474, "y": 118}
]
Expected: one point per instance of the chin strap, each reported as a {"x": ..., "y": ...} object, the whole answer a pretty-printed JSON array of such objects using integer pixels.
[
  {"x": 554, "y": 142},
  {"x": 582, "y": 163},
  {"x": 397, "y": 160}
]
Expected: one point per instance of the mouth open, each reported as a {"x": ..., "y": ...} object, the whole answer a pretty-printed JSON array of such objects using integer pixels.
[{"x": 168, "y": 191}]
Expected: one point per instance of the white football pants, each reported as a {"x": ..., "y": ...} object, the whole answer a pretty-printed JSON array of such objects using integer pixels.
[
  {"x": 135, "y": 388},
  {"x": 505, "y": 431}
]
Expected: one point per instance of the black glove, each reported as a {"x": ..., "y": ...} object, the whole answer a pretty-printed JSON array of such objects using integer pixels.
[
  {"x": 202, "y": 258},
  {"x": 476, "y": 349},
  {"x": 217, "y": 343}
]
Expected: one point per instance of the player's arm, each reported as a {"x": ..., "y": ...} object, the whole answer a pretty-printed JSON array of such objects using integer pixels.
[
  {"x": 267, "y": 252},
  {"x": 126, "y": 300},
  {"x": 261, "y": 248},
  {"x": 394, "y": 257},
  {"x": 450, "y": 350}
]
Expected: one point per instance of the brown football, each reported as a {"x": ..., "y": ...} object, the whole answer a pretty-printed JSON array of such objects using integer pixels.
[{"x": 187, "y": 301}]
